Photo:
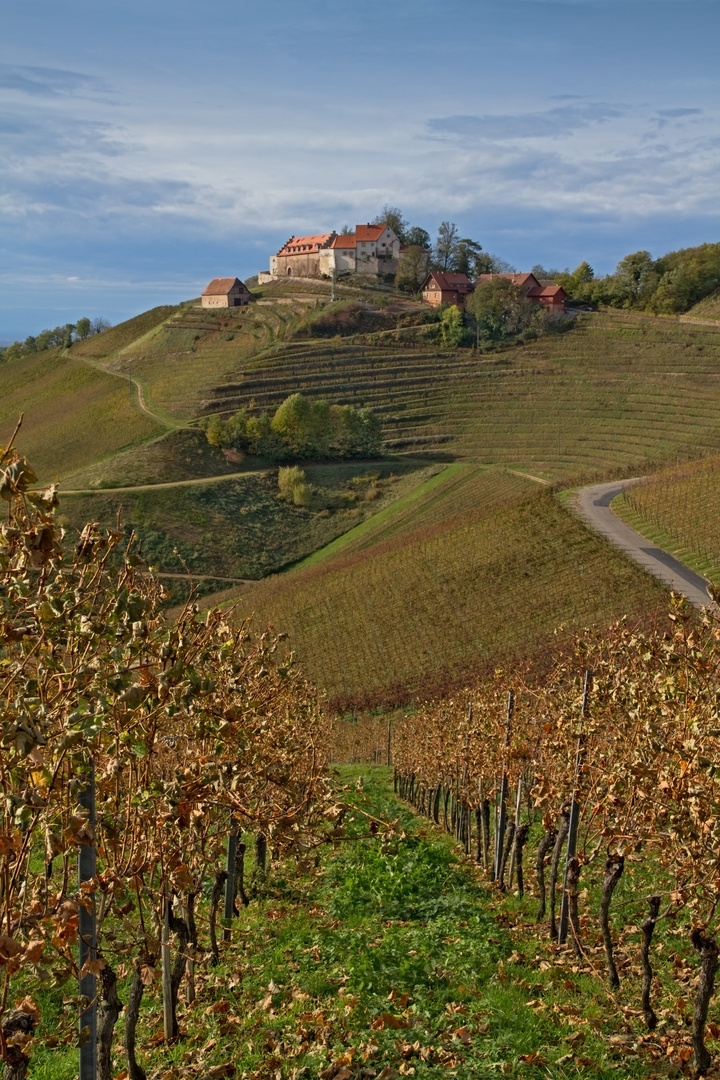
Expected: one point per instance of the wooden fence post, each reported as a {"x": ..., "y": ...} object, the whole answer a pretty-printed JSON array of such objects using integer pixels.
[
  {"x": 87, "y": 940},
  {"x": 574, "y": 816}
]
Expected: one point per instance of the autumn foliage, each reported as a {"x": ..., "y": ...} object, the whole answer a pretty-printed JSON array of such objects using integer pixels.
[
  {"x": 192, "y": 729},
  {"x": 641, "y": 763}
]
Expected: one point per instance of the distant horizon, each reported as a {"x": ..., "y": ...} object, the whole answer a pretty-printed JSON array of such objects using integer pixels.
[{"x": 163, "y": 151}]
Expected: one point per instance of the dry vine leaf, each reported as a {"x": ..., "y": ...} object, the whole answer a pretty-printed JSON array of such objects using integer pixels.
[{"x": 388, "y": 1020}]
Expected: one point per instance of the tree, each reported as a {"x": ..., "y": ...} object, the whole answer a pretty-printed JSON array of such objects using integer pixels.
[
  {"x": 392, "y": 216},
  {"x": 638, "y": 273},
  {"x": 445, "y": 245},
  {"x": 451, "y": 326},
  {"x": 83, "y": 328},
  {"x": 417, "y": 237},
  {"x": 467, "y": 258},
  {"x": 413, "y": 268},
  {"x": 501, "y": 309}
]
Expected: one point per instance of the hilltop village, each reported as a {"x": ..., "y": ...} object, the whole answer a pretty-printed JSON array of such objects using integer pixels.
[{"x": 372, "y": 250}]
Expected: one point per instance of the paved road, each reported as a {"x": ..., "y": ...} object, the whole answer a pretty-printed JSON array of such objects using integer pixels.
[{"x": 593, "y": 503}]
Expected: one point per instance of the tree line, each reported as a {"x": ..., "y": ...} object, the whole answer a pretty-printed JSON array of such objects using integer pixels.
[
  {"x": 669, "y": 285},
  {"x": 59, "y": 336},
  {"x": 300, "y": 429}
]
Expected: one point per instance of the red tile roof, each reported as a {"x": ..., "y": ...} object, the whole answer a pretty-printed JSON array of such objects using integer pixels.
[
  {"x": 368, "y": 233},
  {"x": 300, "y": 245},
  {"x": 221, "y": 286},
  {"x": 516, "y": 279},
  {"x": 448, "y": 282},
  {"x": 348, "y": 240}
]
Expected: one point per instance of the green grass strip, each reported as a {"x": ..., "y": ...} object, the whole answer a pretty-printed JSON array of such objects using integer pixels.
[{"x": 383, "y": 516}]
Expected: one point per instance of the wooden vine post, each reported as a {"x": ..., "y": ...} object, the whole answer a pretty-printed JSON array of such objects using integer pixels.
[
  {"x": 518, "y": 813},
  {"x": 574, "y": 817},
  {"x": 87, "y": 941},
  {"x": 500, "y": 819},
  {"x": 167, "y": 994},
  {"x": 229, "y": 908}
]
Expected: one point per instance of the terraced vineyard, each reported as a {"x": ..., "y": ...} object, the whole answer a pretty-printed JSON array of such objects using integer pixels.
[
  {"x": 619, "y": 392},
  {"x": 683, "y": 503},
  {"x": 479, "y": 573}
]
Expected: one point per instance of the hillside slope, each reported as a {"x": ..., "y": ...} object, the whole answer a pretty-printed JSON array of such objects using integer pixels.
[
  {"x": 709, "y": 308},
  {"x": 74, "y": 413},
  {"x": 480, "y": 574}
]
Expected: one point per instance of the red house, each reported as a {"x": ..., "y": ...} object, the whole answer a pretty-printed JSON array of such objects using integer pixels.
[
  {"x": 446, "y": 288},
  {"x": 551, "y": 297}
]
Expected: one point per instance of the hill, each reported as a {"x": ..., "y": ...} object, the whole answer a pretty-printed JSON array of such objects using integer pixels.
[
  {"x": 477, "y": 571},
  {"x": 74, "y": 413},
  {"x": 434, "y": 580}
]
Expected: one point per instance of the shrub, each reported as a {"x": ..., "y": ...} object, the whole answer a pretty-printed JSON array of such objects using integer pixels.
[{"x": 290, "y": 477}]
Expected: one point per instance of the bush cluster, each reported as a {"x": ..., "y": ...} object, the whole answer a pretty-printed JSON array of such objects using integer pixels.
[
  {"x": 342, "y": 318},
  {"x": 300, "y": 429}
]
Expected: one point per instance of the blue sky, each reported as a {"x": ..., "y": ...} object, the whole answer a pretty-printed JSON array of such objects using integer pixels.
[{"x": 149, "y": 146}]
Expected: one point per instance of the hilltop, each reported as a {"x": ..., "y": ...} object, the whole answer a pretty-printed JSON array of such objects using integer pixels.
[{"x": 461, "y": 557}]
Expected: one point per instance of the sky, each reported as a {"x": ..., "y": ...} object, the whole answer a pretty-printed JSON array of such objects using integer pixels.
[{"x": 150, "y": 145}]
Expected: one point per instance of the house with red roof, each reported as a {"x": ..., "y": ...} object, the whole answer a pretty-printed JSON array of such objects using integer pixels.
[
  {"x": 444, "y": 287},
  {"x": 551, "y": 296},
  {"x": 226, "y": 292},
  {"x": 371, "y": 249}
]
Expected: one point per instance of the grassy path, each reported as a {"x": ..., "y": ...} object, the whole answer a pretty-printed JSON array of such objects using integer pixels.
[
  {"x": 382, "y": 956},
  {"x": 391, "y": 959},
  {"x": 194, "y": 482}
]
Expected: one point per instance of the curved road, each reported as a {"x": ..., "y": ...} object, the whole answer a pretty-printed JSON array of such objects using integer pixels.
[{"x": 593, "y": 504}]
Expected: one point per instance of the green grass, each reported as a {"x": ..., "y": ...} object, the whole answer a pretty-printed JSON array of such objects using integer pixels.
[
  {"x": 237, "y": 527},
  {"x": 74, "y": 414},
  {"x": 481, "y": 574},
  {"x": 118, "y": 337},
  {"x": 176, "y": 456}
]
